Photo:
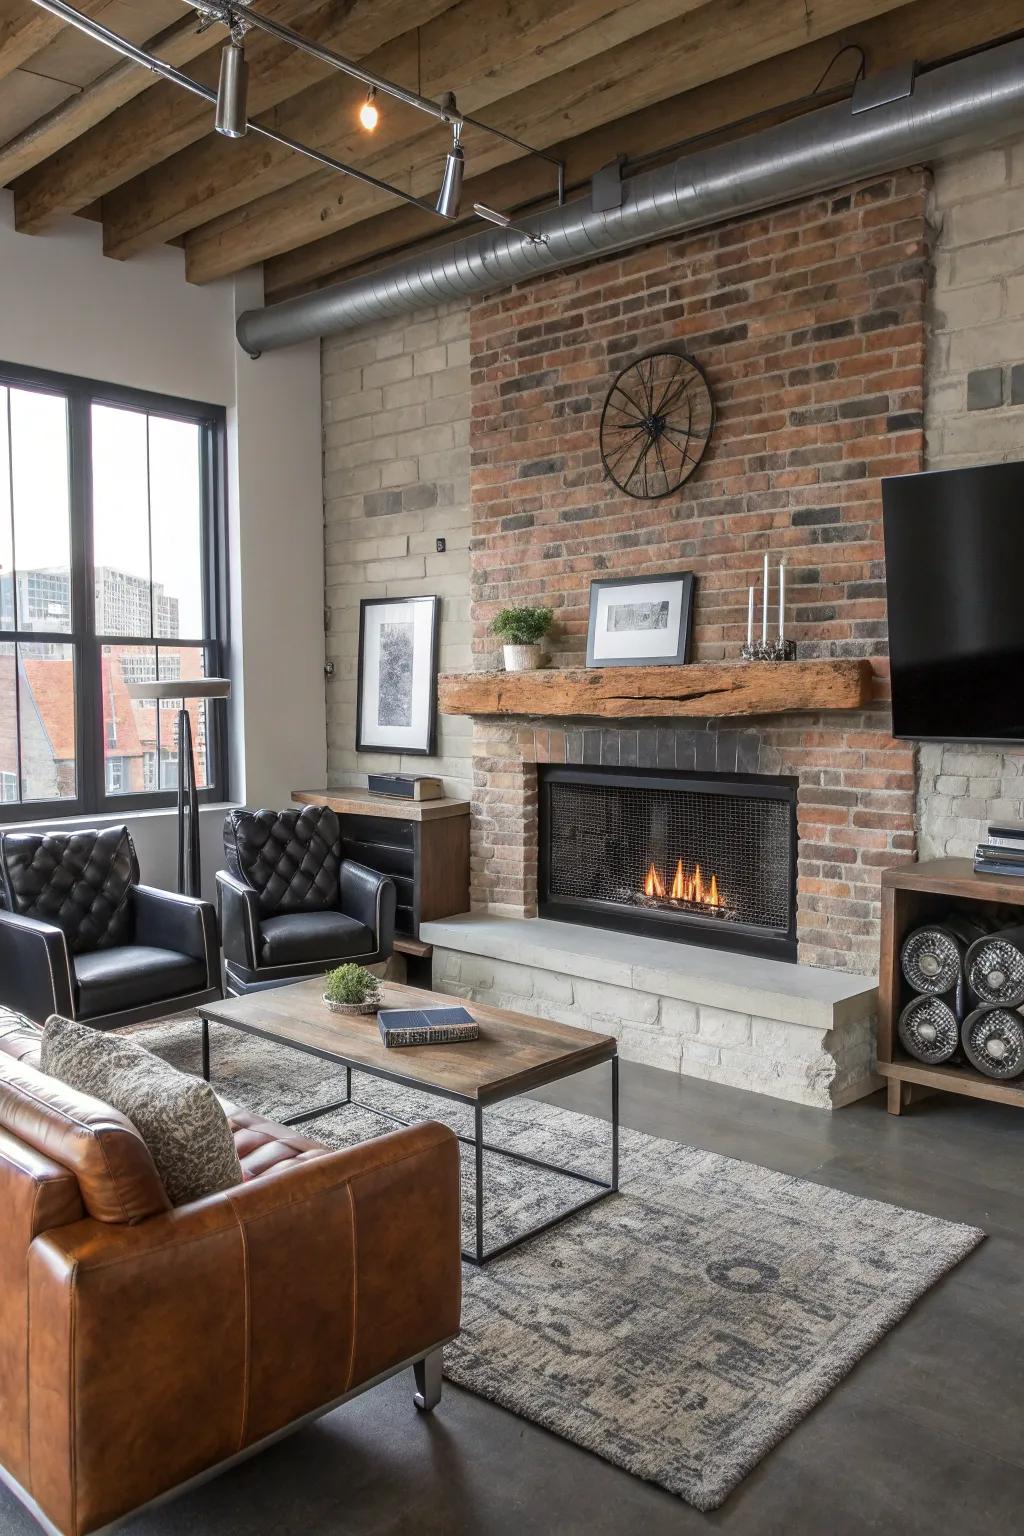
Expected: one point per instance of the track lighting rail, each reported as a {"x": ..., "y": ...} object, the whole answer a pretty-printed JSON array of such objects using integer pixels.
[
  {"x": 227, "y": 14},
  {"x": 229, "y": 100}
]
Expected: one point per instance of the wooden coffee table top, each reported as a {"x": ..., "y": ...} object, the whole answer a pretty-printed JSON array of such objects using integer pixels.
[{"x": 513, "y": 1054}]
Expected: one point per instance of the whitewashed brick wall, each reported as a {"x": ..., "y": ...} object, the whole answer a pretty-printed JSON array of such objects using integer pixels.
[
  {"x": 396, "y": 478},
  {"x": 806, "y": 1065},
  {"x": 977, "y": 322}
]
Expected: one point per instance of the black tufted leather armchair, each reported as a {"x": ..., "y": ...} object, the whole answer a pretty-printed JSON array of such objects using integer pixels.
[
  {"x": 291, "y": 906},
  {"x": 80, "y": 936}
]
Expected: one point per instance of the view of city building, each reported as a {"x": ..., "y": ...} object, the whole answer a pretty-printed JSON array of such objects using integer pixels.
[{"x": 37, "y": 686}]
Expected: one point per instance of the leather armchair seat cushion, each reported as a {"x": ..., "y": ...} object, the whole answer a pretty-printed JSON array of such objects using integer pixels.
[
  {"x": 131, "y": 975},
  {"x": 296, "y": 937}
]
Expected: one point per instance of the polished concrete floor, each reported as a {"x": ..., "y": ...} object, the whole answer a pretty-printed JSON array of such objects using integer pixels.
[{"x": 925, "y": 1435}]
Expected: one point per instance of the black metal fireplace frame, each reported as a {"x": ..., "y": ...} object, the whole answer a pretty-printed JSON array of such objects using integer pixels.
[{"x": 683, "y": 928}]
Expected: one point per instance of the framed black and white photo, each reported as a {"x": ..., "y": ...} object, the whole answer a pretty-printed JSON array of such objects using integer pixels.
[
  {"x": 397, "y": 690},
  {"x": 640, "y": 621}
]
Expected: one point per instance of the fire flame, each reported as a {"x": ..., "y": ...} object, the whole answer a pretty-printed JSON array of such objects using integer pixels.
[{"x": 693, "y": 888}]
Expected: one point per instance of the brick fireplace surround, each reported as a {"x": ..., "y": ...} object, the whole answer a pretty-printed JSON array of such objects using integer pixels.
[{"x": 810, "y": 325}]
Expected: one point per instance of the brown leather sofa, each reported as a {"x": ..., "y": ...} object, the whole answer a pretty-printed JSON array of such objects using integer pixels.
[{"x": 144, "y": 1347}]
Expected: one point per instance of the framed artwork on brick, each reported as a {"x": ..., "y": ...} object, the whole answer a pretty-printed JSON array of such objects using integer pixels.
[
  {"x": 397, "y": 682},
  {"x": 641, "y": 621}
]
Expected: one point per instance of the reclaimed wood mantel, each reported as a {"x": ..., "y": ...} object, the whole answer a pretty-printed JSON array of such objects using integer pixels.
[{"x": 699, "y": 689}]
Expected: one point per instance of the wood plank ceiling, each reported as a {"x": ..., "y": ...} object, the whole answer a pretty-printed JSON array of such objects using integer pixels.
[{"x": 83, "y": 131}]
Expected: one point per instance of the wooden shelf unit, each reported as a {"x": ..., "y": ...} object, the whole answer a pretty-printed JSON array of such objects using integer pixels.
[
  {"x": 699, "y": 689},
  {"x": 422, "y": 844},
  {"x": 912, "y": 895}
]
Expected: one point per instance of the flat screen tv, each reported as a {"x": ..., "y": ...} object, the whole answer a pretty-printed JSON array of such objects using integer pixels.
[{"x": 954, "y": 571}]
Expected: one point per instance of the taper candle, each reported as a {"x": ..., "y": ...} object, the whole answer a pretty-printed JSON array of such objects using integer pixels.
[
  {"x": 750, "y": 615},
  {"x": 782, "y": 599},
  {"x": 764, "y": 606}
]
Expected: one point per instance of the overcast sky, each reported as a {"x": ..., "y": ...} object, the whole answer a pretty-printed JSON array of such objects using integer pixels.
[{"x": 121, "y": 524}]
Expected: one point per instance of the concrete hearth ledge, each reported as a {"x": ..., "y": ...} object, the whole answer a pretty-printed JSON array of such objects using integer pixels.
[{"x": 711, "y": 978}]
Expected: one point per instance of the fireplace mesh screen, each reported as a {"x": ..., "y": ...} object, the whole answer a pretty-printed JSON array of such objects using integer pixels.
[{"x": 695, "y": 853}]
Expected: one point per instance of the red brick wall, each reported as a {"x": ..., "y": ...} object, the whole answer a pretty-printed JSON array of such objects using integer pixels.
[{"x": 810, "y": 325}]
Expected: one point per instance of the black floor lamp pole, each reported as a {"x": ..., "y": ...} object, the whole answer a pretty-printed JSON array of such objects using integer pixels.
[
  {"x": 189, "y": 870},
  {"x": 182, "y": 690}
]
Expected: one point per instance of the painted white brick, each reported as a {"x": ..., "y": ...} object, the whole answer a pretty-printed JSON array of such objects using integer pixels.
[
  {"x": 719, "y": 1027},
  {"x": 429, "y": 360},
  {"x": 968, "y": 176},
  {"x": 388, "y": 371},
  {"x": 978, "y": 207},
  {"x": 603, "y": 1001},
  {"x": 551, "y": 987},
  {"x": 679, "y": 1018},
  {"x": 777, "y": 1039},
  {"x": 395, "y": 417}
]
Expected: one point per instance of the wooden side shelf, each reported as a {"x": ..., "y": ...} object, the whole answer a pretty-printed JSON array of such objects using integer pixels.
[
  {"x": 912, "y": 895},
  {"x": 699, "y": 689},
  {"x": 422, "y": 844}
]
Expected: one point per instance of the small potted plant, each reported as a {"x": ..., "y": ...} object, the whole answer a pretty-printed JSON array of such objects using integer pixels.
[
  {"x": 522, "y": 630},
  {"x": 351, "y": 989}
]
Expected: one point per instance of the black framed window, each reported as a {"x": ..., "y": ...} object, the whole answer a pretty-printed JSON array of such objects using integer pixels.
[{"x": 112, "y": 571}]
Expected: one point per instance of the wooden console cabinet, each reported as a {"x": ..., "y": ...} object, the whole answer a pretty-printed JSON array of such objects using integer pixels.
[
  {"x": 422, "y": 844},
  {"x": 912, "y": 895}
]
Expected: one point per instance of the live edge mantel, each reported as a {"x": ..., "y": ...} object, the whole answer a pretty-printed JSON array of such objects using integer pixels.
[{"x": 704, "y": 688}]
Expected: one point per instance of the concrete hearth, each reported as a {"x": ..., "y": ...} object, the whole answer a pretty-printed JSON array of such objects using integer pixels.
[{"x": 793, "y": 1031}]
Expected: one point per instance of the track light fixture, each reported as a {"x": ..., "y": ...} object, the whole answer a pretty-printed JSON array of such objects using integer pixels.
[
  {"x": 369, "y": 114},
  {"x": 232, "y": 88},
  {"x": 229, "y": 99},
  {"x": 450, "y": 196}
]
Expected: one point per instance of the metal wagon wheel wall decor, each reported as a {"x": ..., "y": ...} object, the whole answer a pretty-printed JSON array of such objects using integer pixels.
[{"x": 656, "y": 423}]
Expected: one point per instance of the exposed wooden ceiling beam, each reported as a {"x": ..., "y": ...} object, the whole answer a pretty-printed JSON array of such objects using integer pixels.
[
  {"x": 176, "y": 44},
  {"x": 27, "y": 28},
  {"x": 711, "y": 42},
  {"x": 927, "y": 30},
  {"x": 484, "y": 50},
  {"x": 167, "y": 119}
]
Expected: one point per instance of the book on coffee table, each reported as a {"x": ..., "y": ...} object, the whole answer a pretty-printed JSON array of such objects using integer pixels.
[{"x": 427, "y": 1026}]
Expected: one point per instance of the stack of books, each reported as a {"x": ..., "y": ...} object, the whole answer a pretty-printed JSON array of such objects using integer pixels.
[
  {"x": 427, "y": 1026},
  {"x": 1003, "y": 853}
]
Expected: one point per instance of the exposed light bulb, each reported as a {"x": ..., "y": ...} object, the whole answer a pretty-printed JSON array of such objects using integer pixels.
[{"x": 369, "y": 115}]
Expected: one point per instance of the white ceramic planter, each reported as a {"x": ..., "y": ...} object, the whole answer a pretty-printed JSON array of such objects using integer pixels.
[{"x": 524, "y": 658}]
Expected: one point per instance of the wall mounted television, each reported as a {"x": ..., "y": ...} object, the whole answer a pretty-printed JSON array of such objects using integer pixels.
[{"x": 954, "y": 570}]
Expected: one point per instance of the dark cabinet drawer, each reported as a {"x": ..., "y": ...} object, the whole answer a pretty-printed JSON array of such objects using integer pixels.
[
  {"x": 378, "y": 829},
  {"x": 390, "y": 861}
]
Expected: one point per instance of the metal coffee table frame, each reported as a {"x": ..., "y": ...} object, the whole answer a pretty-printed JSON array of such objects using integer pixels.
[{"x": 479, "y": 1255}]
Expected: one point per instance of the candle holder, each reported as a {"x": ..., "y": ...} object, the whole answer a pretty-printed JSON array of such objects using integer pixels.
[{"x": 769, "y": 650}]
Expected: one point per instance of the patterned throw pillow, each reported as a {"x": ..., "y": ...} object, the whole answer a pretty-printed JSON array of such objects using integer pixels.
[{"x": 178, "y": 1117}]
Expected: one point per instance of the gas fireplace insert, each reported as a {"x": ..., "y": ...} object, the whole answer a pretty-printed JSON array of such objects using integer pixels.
[{"x": 706, "y": 858}]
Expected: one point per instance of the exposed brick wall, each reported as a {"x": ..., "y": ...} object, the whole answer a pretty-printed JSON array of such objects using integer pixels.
[
  {"x": 396, "y": 477},
  {"x": 809, "y": 323},
  {"x": 976, "y": 322}
]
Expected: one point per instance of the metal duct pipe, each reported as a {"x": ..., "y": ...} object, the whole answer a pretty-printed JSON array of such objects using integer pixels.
[{"x": 969, "y": 102}]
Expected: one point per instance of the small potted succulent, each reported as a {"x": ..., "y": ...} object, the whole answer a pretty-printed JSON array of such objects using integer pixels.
[
  {"x": 351, "y": 989},
  {"x": 522, "y": 630}
]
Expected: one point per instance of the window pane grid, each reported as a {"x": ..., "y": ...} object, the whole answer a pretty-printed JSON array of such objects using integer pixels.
[{"x": 72, "y": 636}]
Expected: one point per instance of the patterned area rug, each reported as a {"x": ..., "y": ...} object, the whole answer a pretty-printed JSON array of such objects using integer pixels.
[{"x": 679, "y": 1330}]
